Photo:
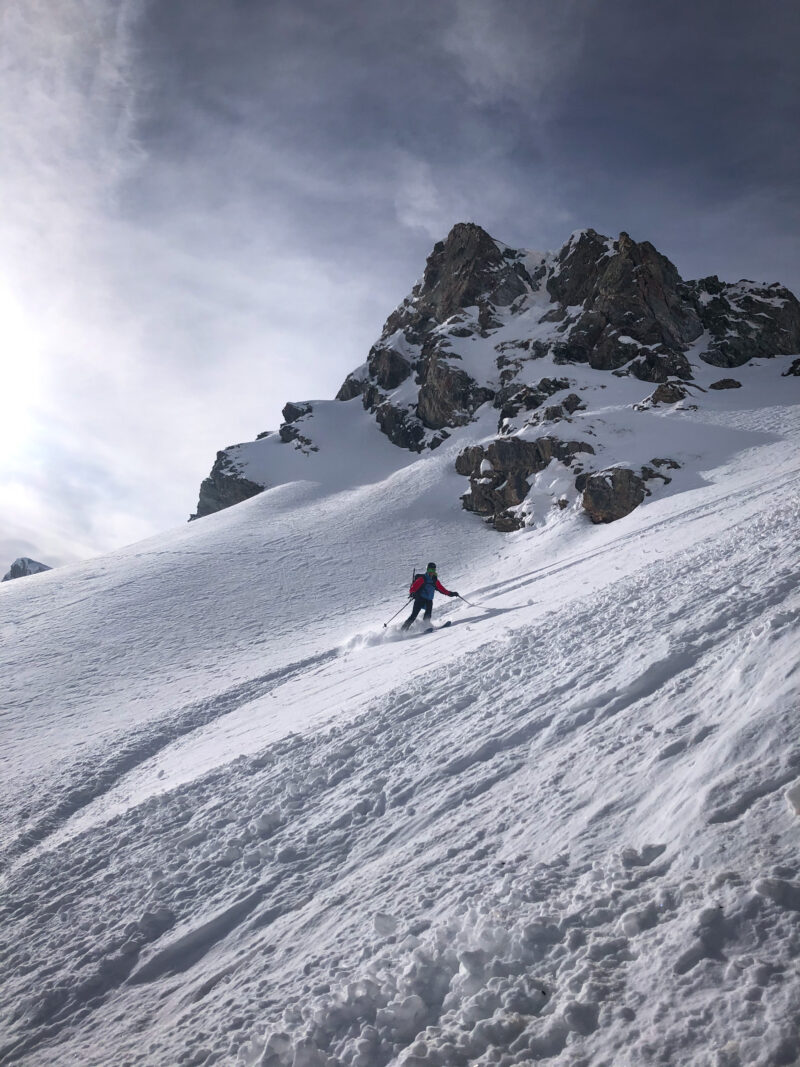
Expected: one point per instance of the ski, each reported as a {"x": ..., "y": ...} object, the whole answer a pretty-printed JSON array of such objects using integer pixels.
[{"x": 443, "y": 626}]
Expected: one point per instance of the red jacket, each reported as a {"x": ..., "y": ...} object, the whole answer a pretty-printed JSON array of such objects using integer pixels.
[{"x": 418, "y": 583}]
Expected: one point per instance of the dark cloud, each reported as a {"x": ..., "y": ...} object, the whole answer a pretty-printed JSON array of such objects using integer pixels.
[
  {"x": 679, "y": 115},
  {"x": 587, "y": 113}
]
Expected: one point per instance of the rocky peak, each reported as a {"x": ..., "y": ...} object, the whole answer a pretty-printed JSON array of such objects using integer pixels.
[
  {"x": 468, "y": 269},
  {"x": 24, "y": 566},
  {"x": 611, "y": 304},
  {"x": 577, "y": 267},
  {"x": 521, "y": 331},
  {"x": 632, "y": 306},
  {"x": 640, "y": 289},
  {"x": 467, "y": 278}
]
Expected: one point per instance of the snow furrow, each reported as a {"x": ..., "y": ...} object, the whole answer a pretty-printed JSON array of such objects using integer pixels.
[{"x": 134, "y": 749}]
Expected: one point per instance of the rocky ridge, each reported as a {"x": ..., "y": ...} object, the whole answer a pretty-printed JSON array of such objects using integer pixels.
[
  {"x": 485, "y": 320},
  {"x": 22, "y": 567},
  {"x": 225, "y": 486}
]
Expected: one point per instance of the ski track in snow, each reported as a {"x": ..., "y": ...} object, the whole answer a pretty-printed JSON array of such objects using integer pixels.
[{"x": 557, "y": 831}]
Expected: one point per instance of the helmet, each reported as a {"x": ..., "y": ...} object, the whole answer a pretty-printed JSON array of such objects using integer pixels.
[{"x": 431, "y": 567}]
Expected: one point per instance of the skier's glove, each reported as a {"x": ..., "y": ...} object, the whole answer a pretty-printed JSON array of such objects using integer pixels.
[{"x": 454, "y": 594}]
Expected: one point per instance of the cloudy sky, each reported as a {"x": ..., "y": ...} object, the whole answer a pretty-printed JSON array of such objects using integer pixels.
[{"x": 210, "y": 206}]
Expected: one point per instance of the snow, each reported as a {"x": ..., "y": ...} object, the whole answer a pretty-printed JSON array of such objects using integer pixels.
[
  {"x": 246, "y": 823},
  {"x": 338, "y": 429}
]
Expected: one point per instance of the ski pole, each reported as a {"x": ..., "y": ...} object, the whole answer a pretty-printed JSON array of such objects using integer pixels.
[
  {"x": 395, "y": 615},
  {"x": 460, "y": 597}
]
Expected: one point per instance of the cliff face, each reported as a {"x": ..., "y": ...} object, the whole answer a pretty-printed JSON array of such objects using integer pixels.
[
  {"x": 225, "y": 486},
  {"x": 490, "y": 328}
]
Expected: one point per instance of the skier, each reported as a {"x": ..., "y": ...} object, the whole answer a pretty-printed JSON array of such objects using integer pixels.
[{"x": 422, "y": 589}]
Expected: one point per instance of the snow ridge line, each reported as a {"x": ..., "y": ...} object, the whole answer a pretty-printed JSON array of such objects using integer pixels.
[{"x": 98, "y": 776}]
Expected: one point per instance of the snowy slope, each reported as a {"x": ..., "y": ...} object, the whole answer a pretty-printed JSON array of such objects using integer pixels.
[{"x": 244, "y": 823}]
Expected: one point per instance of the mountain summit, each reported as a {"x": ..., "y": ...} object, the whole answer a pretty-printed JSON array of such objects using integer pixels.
[
  {"x": 527, "y": 340},
  {"x": 22, "y": 567}
]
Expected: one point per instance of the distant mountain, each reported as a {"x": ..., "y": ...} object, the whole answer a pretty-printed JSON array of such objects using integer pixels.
[
  {"x": 22, "y": 567},
  {"x": 527, "y": 340}
]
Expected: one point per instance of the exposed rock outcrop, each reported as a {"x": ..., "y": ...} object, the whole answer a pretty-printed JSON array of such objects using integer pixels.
[
  {"x": 499, "y": 475},
  {"x": 669, "y": 393},
  {"x": 615, "y": 492},
  {"x": 649, "y": 473},
  {"x": 224, "y": 486},
  {"x": 611, "y": 494},
  {"x": 660, "y": 366},
  {"x": 448, "y": 395},
  {"x": 22, "y": 567},
  {"x": 629, "y": 298},
  {"x": 292, "y": 412},
  {"x": 513, "y": 399},
  {"x": 726, "y": 383},
  {"x": 557, "y": 412},
  {"x": 469, "y": 271},
  {"x": 745, "y": 320},
  {"x": 572, "y": 403},
  {"x": 607, "y": 303},
  {"x": 290, "y": 431},
  {"x": 794, "y": 369}
]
